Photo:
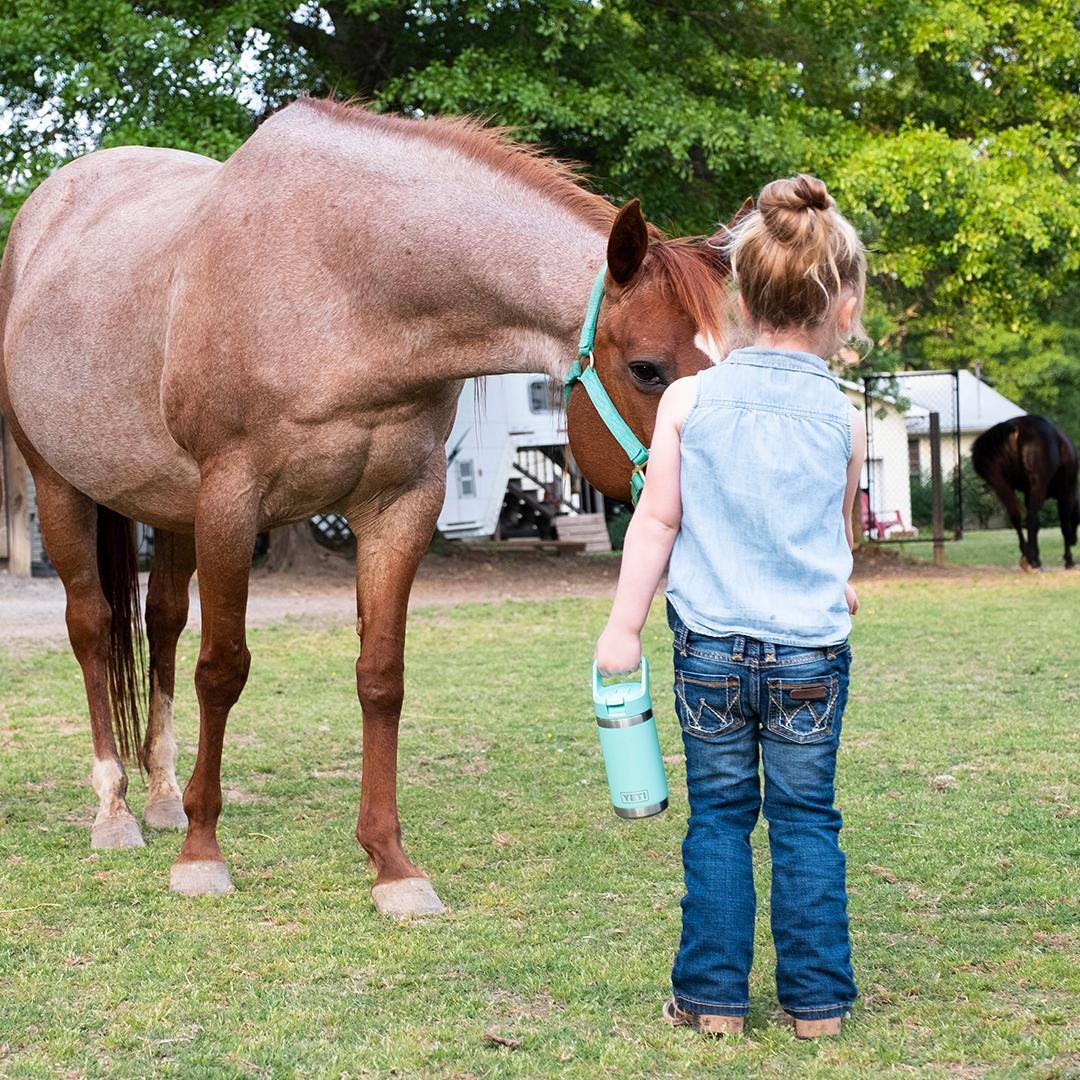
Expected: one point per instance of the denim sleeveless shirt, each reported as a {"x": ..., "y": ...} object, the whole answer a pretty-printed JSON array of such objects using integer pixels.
[{"x": 761, "y": 549}]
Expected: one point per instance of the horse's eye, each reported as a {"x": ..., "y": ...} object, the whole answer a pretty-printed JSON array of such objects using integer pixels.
[{"x": 647, "y": 373}]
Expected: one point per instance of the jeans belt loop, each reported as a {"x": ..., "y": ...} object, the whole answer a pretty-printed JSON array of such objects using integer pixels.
[
  {"x": 737, "y": 648},
  {"x": 770, "y": 652},
  {"x": 830, "y": 653},
  {"x": 680, "y": 638}
]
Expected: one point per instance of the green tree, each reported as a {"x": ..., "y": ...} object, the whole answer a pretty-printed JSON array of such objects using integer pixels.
[{"x": 948, "y": 130}]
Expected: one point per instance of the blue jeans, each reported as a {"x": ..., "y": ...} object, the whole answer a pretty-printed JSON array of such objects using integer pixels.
[{"x": 735, "y": 695}]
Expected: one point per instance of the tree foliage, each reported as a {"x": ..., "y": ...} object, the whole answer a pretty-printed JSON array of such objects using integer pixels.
[{"x": 948, "y": 130}]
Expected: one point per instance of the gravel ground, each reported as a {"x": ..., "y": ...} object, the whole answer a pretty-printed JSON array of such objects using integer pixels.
[{"x": 32, "y": 610}]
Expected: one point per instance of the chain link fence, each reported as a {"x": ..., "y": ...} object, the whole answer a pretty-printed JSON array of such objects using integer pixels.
[{"x": 914, "y": 479}]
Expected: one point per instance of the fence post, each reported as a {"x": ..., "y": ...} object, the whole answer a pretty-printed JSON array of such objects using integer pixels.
[
  {"x": 936, "y": 489},
  {"x": 959, "y": 473}
]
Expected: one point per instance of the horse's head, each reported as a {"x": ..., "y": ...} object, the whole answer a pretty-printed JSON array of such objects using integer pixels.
[{"x": 663, "y": 316}]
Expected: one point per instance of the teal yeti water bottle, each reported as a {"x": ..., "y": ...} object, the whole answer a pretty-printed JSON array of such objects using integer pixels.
[{"x": 635, "y": 769}]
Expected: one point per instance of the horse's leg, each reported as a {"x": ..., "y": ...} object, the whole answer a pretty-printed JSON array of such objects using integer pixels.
[
  {"x": 1007, "y": 497},
  {"x": 166, "y": 616},
  {"x": 69, "y": 529},
  {"x": 389, "y": 545},
  {"x": 225, "y": 529},
  {"x": 1067, "y": 505},
  {"x": 1034, "y": 500}
]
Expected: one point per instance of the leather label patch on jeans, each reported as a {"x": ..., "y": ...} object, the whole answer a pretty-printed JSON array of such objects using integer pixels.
[{"x": 814, "y": 692}]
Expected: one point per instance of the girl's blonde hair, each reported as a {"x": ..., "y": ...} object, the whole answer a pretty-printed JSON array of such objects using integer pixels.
[{"x": 794, "y": 255}]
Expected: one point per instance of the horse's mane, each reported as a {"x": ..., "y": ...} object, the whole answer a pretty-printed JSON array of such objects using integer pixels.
[
  {"x": 688, "y": 268},
  {"x": 489, "y": 145}
]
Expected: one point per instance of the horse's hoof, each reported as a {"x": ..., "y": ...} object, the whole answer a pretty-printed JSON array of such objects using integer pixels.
[
  {"x": 409, "y": 898},
  {"x": 1027, "y": 566},
  {"x": 166, "y": 813},
  {"x": 119, "y": 831},
  {"x": 203, "y": 877}
]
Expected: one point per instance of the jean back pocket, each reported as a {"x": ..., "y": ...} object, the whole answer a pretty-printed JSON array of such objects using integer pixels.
[
  {"x": 708, "y": 707},
  {"x": 803, "y": 710}
]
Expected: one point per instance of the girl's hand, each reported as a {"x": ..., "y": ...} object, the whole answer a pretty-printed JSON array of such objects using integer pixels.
[
  {"x": 618, "y": 652},
  {"x": 852, "y": 599}
]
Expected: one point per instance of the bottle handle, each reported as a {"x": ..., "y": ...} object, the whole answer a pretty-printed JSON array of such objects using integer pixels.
[{"x": 598, "y": 681}]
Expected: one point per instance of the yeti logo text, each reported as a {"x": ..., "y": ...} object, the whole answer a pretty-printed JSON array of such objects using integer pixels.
[{"x": 635, "y": 796}]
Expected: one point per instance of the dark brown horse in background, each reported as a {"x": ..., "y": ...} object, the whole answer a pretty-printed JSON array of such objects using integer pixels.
[
  {"x": 1032, "y": 455},
  {"x": 221, "y": 348}
]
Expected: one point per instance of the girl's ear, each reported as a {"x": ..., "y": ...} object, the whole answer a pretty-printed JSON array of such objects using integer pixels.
[
  {"x": 627, "y": 243},
  {"x": 845, "y": 315}
]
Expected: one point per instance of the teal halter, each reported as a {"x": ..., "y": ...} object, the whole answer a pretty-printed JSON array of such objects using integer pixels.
[{"x": 585, "y": 373}]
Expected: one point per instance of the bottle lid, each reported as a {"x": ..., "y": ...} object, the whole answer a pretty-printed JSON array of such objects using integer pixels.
[{"x": 621, "y": 699}]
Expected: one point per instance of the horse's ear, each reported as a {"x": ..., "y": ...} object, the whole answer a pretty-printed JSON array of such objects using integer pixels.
[
  {"x": 627, "y": 243},
  {"x": 718, "y": 242},
  {"x": 746, "y": 208}
]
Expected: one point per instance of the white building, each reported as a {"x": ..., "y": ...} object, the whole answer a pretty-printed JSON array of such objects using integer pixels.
[{"x": 885, "y": 479}]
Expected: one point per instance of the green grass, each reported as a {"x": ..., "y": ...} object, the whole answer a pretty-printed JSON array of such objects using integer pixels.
[
  {"x": 991, "y": 547},
  {"x": 563, "y": 919}
]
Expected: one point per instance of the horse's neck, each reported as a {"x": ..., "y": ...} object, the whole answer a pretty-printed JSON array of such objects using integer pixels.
[
  {"x": 512, "y": 298},
  {"x": 540, "y": 295}
]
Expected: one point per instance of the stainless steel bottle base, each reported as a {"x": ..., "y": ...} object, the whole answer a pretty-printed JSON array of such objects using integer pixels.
[{"x": 641, "y": 811}]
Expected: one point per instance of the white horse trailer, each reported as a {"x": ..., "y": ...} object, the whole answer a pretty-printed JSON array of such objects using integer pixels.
[{"x": 507, "y": 452}]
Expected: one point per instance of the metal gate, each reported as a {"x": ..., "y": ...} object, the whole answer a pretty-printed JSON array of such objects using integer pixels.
[{"x": 912, "y": 484}]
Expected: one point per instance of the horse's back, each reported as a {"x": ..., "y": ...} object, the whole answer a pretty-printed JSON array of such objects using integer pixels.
[
  {"x": 1025, "y": 448},
  {"x": 83, "y": 300}
]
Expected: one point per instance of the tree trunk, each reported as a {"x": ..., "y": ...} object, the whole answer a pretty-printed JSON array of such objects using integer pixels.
[{"x": 294, "y": 550}]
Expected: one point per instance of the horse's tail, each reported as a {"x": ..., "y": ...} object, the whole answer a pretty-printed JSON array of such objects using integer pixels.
[
  {"x": 986, "y": 449},
  {"x": 118, "y": 569}
]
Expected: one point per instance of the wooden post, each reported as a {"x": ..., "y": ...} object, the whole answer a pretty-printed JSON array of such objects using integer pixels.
[
  {"x": 17, "y": 501},
  {"x": 936, "y": 489}
]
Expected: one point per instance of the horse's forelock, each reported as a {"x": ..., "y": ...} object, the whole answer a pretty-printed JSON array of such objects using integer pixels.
[{"x": 688, "y": 270}]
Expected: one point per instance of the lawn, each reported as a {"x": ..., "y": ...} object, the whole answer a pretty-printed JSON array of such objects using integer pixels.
[
  {"x": 991, "y": 547},
  {"x": 959, "y": 754}
]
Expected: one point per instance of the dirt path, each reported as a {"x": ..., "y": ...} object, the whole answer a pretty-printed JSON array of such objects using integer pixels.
[{"x": 32, "y": 611}]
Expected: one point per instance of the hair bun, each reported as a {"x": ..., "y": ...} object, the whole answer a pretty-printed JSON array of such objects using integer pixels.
[
  {"x": 784, "y": 206},
  {"x": 796, "y": 193}
]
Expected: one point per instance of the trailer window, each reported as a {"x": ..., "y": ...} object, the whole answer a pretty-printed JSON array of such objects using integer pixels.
[
  {"x": 542, "y": 396},
  {"x": 466, "y": 479}
]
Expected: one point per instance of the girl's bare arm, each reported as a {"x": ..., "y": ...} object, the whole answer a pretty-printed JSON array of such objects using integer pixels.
[
  {"x": 854, "y": 474},
  {"x": 649, "y": 538}
]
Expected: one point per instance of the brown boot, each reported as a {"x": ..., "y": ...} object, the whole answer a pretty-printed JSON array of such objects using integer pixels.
[
  {"x": 816, "y": 1029},
  {"x": 703, "y": 1022}
]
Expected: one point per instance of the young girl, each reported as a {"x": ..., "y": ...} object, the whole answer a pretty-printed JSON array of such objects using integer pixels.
[{"x": 753, "y": 469}]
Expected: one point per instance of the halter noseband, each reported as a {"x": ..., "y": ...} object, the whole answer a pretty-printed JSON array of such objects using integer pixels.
[{"x": 585, "y": 373}]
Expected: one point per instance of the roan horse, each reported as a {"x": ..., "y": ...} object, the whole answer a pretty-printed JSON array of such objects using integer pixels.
[
  {"x": 220, "y": 348},
  {"x": 1033, "y": 455}
]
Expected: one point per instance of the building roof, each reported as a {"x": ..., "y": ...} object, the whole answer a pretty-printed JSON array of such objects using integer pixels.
[
  {"x": 889, "y": 400},
  {"x": 981, "y": 406}
]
